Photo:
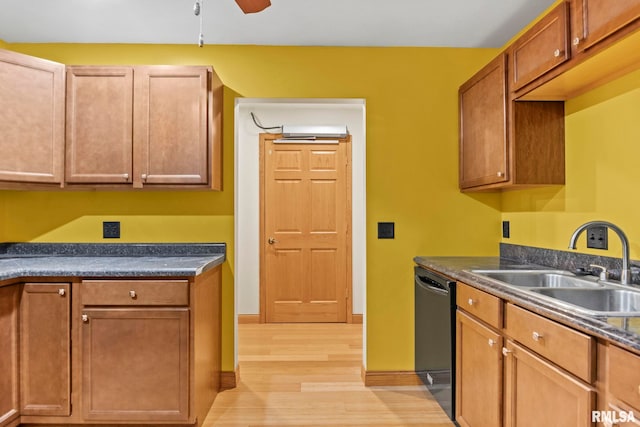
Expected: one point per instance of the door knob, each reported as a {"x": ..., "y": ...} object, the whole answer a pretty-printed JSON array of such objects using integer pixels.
[{"x": 272, "y": 241}]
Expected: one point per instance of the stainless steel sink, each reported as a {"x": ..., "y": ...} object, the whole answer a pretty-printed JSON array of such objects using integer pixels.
[
  {"x": 600, "y": 302},
  {"x": 539, "y": 278}
]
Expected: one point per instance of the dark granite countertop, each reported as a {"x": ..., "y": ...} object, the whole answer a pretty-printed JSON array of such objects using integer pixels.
[
  {"x": 622, "y": 331},
  {"x": 108, "y": 260}
]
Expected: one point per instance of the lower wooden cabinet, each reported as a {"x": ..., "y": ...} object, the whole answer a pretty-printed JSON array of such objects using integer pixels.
[
  {"x": 110, "y": 352},
  {"x": 45, "y": 359},
  {"x": 478, "y": 373},
  {"x": 539, "y": 394},
  {"x": 515, "y": 372},
  {"x": 9, "y": 368},
  {"x": 135, "y": 364}
]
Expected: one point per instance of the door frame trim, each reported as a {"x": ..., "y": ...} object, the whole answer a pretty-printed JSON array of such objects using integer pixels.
[{"x": 262, "y": 315}]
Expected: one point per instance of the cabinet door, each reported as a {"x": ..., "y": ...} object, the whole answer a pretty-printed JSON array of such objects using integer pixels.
[
  {"x": 594, "y": 20},
  {"x": 99, "y": 125},
  {"x": 542, "y": 48},
  {"x": 483, "y": 127},
  {"x": 9, "y": 306},
  {"x": 171, "y": 144},
  {"x": 539, "y": 394},
  {"x": 32, "y": 119},
  {"x": 478, "y": 373},
  {"x": 135, "y": 364},
  {"x": 44, "y": 349}
]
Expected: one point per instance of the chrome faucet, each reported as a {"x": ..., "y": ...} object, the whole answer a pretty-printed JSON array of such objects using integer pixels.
[{"x": 625, "y": 274}]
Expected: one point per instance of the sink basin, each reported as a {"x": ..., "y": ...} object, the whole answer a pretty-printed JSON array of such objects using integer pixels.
[
  {"x": 603, "y": 301},
  {"x": 538, "y": 278}
]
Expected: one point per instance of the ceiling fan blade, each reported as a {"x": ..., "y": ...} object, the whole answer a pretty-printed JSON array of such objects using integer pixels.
[{"x": 253, "y": 6}]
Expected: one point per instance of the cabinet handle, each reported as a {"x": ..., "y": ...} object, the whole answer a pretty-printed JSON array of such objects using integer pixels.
[
  {"x": 61, "y": 292},
  {"x": 505, "y": 351},
  {"x": 556, "y": 53},
  {"x": 471, "y": 301},
  {"x": 576, "y": 41},
  {"x": 133, "y": 294},
  {"x": 126, "y": 176},
  {"x": 144, "y": 177},
  {"x": 536, "y": 336},
  {"x": 85, "y": 318},
  {"x": 491, "y": 342}
]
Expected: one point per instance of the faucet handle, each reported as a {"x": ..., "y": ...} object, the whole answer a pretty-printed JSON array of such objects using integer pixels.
[{"x": 604, "y": 273}]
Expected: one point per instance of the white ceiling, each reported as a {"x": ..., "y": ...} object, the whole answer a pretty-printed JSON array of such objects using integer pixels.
[{"x": 454, "y": 23}]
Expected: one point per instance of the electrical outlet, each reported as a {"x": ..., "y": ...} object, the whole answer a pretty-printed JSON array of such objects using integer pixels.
[
  {"x": 505, "y": 229},
  {"x": 111, "y": 229},
  {"x": 597, "y": 238}
]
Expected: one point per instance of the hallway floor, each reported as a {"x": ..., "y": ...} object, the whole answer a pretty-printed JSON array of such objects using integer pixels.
[{"x": 310, "y": 375}]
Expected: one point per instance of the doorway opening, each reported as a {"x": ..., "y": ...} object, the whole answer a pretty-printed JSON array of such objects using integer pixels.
[{"x": 276, "y": 112}]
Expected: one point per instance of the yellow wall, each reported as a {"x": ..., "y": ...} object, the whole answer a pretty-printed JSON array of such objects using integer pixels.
[
  {"x": 412, "y": 169},
  {"x": 602, "y": 174}
]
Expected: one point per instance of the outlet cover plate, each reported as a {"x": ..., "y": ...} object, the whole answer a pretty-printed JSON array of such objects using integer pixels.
[
  {"x": 111, "y": 230},
  {"x": 597, "y": 237}
]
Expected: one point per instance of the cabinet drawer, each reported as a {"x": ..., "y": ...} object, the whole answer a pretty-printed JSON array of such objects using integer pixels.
[
  {"x": 482, "y": 305},
  {"x": 135, "y": 292},
  {"x": 569, "y": 349},
  {"x": 624, "y": 376}
]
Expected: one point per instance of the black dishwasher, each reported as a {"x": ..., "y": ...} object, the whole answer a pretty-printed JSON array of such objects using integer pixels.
[{"x": 435, "y": 311}]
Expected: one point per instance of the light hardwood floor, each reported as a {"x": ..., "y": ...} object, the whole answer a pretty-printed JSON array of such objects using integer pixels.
[{"x": 310, "y": 375}]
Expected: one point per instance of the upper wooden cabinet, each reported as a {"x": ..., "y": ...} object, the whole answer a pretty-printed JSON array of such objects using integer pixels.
[
  {"x": 170, "y": 131},
  {"x": 594, "y": 20},
  {"x": 483, "y": 131},
  {"x": 506, "y": 143},
  {"x": 147, "y": 126},
  {"x": 604, "y": 40},
  {"x": 99, "y": 125},
  {"x": 542, "y": 48},
  {"x": 32, "y": 119}
]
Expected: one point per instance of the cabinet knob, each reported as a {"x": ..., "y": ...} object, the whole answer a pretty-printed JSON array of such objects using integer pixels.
[
  {"x": 491, "y": 342},
  {"x": 505, "y": 351},
  {"x": 500, "y": 174},
  {"x": 133, "y": 294},
  {"x": 272, "y": 241},
  {"x": 61, "y": 292},
  {"x": 126, "y": 176},
  {"x": 556, "y": 53},
  {"x": 144, "y": 177},
  {"x": 536, "y": 336},
  {"x": 85, "y": 318},
  {"x": 471, "y": 301},
  {"x": 576, "y": 41}
]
